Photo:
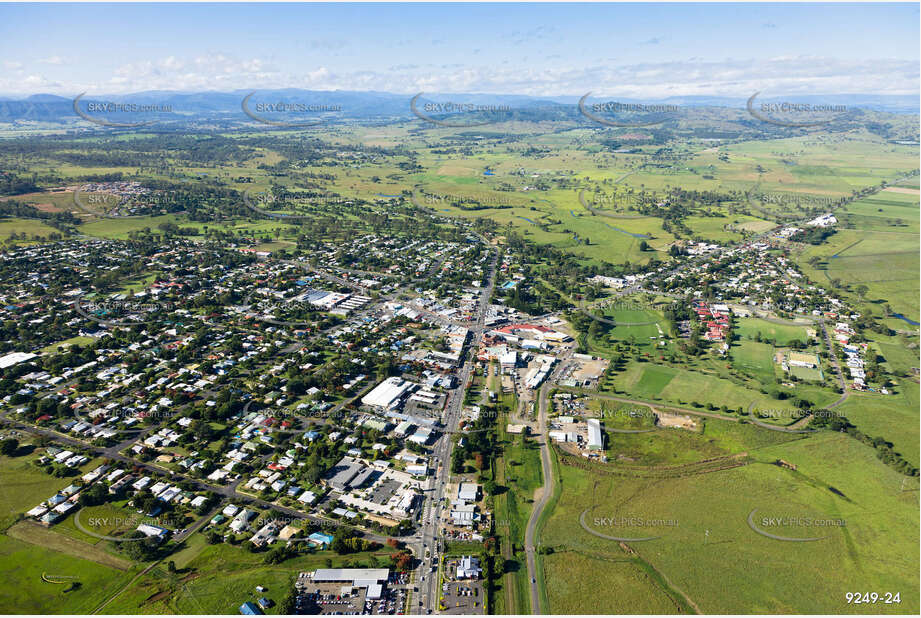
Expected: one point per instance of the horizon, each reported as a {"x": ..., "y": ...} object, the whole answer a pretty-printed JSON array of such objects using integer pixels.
[{"x": 648, "y": 52}]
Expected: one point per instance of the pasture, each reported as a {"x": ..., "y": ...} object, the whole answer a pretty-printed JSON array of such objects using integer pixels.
[{"x": 711, "y": 535}]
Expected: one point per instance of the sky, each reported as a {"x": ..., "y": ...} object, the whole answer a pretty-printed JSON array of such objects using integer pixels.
[{"x": 630, "y": 50}]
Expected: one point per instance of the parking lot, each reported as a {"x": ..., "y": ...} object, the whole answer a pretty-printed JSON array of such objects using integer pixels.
[
  {"x": 462, "y": 597},
  {"x": 329, "y": 599}
]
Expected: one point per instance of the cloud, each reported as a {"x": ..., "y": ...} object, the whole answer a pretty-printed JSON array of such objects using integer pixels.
[
  {"x": 55, "y": 60},
  {"x": 12, "y": 65},
  {"x": 776, "y": 76},
  {"x": 652, "y": 41}
]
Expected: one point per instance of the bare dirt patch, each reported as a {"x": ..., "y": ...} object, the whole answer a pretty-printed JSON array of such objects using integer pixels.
[
  {"x": 47, "y": 208},
  {"x": 676, "y": 421},
  {"x": 35, "y": 534},
  {"x": 906, "y": 190}
]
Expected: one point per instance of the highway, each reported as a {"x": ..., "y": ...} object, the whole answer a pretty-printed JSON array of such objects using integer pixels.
[{"x": 426, "y": 600}]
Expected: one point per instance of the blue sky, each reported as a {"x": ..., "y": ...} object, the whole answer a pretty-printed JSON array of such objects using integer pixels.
[{"x": 650, "y": 50}]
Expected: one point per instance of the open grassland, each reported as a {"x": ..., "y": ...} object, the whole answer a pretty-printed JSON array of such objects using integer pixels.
[
  {"x": 892, "y": 417},
  {"x": 755, "y": 359},
  {"x": 709, "y": 533},
  {"x": 781, "y": 334},
  {"x": 654, "y": 382},
  {"x": 878, "y": 249},
  {"x": 604, "y": 583},
  {"x": 673, "y": 446},
  {"x": 35, "y": 231},
  {"x": 220, "y": 578},
  {"x": 24, "y": 591},
  {"x": 520, "y": 476}
]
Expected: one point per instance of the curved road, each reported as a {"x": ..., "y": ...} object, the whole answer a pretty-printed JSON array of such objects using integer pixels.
[{"x": 547, "y": 490}]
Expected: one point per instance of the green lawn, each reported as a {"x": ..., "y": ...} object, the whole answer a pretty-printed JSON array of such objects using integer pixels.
[
  {"x": 748, "y": 328},
  {"x": 755, "y": 359}
]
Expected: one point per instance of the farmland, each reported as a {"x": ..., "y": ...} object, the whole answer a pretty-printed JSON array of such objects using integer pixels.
[{"x": 711, "y": 533}]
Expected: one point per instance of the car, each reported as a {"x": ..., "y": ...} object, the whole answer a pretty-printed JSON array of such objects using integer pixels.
[{"x": 533, "y": 581}]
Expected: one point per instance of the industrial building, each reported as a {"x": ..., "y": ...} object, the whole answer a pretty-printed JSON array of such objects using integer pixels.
[
  {"x": 389, "y": 394},
  {"x": 595, "y": 437}
]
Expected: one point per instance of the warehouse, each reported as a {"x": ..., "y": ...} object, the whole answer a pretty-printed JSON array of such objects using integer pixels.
[
  {"x": 389, "y": 394},
  {"x": 595, "y": 437}
]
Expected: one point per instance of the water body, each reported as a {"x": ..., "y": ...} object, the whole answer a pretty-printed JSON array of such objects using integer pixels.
[
  {"x": 509, "y": 284},
  {"x": 526, "y": 219},
  {"x": 625, "y": 231},
  {"x": 489, "y": 173},
  {"x": 383, "y": 195},
  {"x": 902, "y": 317}
]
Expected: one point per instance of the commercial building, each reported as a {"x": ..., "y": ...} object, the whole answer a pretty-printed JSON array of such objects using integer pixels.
[
  {"x": 595, "y": 437},
  {"x": 469, "y": 568},
  {"x": 389, "y": 394}
]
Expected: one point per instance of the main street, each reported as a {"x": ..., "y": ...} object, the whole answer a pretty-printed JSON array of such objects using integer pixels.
[{"x": 428, "y": 536}]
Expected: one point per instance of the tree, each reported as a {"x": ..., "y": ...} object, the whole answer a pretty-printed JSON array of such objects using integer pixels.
[
  {"x": 94, "y": 496},
  {"x": 9, "y": 446}
]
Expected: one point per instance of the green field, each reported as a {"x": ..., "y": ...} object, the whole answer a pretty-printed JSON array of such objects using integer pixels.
[
  {"x": 27, "y": 231},
  {"x": 877, "y": 248},
  {"x": 755, "y": 359},
  {"x": 650, "y": 381},
  {"x": 220, "y": 578},
  {"x": 709, "y": 534},
  {"x": 782, "y": 334},
  {"x": 892, "y": 417}
]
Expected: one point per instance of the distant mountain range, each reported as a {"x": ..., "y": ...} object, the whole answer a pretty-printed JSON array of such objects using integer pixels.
[{"x": 226, "y": 106}]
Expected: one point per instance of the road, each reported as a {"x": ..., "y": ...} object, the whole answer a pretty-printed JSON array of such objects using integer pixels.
[
  {"x": 228, "y": 492},
  {"x": 428, "y": 536},
  {"x": 547, "y": 490},
  {"x": 834, "y": 361}
]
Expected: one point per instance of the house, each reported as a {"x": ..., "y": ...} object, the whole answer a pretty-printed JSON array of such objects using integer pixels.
[
  {"x": 150, "y": 530},
  {"x": 468, "y": 492}
]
